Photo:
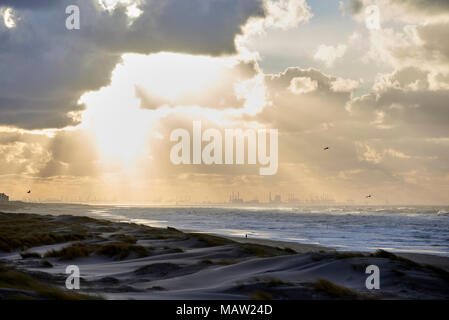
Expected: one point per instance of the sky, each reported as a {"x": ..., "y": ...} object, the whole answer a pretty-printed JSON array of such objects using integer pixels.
[{"x": 87, "y": 114}]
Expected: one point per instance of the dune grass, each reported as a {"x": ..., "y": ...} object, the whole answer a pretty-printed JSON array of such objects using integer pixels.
[
  {"x": 14, "y": 279},
  {"x": 388, "y": 255},
  {"x": 121, "y": 250},
  {"x": 152, "y": 233},
  {"x": 74, "y": 251},
  {"x": 124, "y": 238},
  {"x": 264, "y": 251},
  {"x": 211, "y": 240},
  {"x": 117, "y": 250},
  {"x": 348, "y": 255},
  {"x": 261, "y": 295},
  {"x": 22, "y": 231},
  {"x": 218, "y": 262},
  {"x": 12, "y": 243},
  {"x": 46, "y": 264},
  {"x": 270, "y": 281},
  {"x": 30, "y": 255},
  {"x": 333, "y": 289}
]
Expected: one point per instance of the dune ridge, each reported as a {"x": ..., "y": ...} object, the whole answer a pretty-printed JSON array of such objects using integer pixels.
[{"x": 131, "y": 261}]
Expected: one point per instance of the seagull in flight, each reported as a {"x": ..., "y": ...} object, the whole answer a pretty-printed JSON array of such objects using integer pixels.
[{"x": 325, "y": 148}]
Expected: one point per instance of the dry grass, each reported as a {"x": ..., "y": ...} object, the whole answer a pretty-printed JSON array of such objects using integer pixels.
[
  {"x": 11, "y": 243},
  {"x": 261, "y": 295},
  {"x": 46, "y": 264},
  {"x": 121, "y": 250},
  {"x": 124, "y": 238},
  {"x": 218, "y": 262},
  {"x": 151, "y": 233},
  {"x": 116, "y": 250},
  {"x": 388, "y": 255},
  {"x": 30, "y": 255},
  {"x": 13, "y": 279},
  {"x": 264, "y": 251},
  {"x": 22, "y": 231},
  {"x": 212, "y": 241},
  {"x": 333, "y": 289},
  {"x": 348, "y": 255},
  {"x": 76, "y": 250}
]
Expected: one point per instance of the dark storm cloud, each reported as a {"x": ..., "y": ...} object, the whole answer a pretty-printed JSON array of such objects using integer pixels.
[
  {"x": 194, "y": 26},
  {"x": 41, "y": 112},
  {"x": 28, "y": 4},
  {"x": 45, "y": 68},
  {"x": 429, "y": 6},
  {"x": 72, "y": 153}
]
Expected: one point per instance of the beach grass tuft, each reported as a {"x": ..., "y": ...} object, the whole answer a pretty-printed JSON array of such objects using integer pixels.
[
  {"x": 30, "y": 255},
  {"x": 211, "y": 240},
  {"x": 270, "y": 281},
  {"x": 76, "y": 250},
  {"x": 218, "y": 262},
  {"x": 124, "y": 238},
  {"x": 262, "y": 250},
  {"x": 388, "y": 255},
  {"x": 333, "y": 289},
  {"x": 22, "y": 231},
  {"x": 13, "y": 279},
  {"x": 46, "y": 264},
  {"x": 121, "y": 250},
  {"x": 261, "y": 295},
  {"x": 11, "y": 243},
  {"x": 348, "y": 255}
]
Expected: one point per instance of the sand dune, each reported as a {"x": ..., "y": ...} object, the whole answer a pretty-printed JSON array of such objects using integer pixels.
[{"x": 130, "y": 261}]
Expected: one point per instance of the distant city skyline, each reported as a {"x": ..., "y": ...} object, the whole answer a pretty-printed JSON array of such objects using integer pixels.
[{"x": 233, "y": 198}]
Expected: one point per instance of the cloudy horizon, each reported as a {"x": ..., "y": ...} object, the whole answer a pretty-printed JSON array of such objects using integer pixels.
[{"x": 88, "y": 113}]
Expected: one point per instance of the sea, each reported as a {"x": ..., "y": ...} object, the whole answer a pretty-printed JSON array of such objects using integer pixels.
[{"x": 417, "y": 229}]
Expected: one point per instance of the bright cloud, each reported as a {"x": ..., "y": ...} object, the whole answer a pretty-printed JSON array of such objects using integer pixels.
[
  {"x": 329, "y": 54},
  {"x": 93, "y": 109},
  {"x": 300, "y": 85}
]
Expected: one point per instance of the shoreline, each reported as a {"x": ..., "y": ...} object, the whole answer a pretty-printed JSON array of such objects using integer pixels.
[
  {"x": 119, "y": 260},
  {"x": 423, "y": 258},
  {"x": 336, "y": 236}
]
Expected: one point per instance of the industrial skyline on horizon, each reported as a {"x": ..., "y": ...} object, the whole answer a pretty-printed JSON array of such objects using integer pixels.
[{"x": 234, "y": 198}]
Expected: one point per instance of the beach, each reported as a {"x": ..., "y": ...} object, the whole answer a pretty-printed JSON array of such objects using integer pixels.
[
  {"x": 398, "y": 228},
  {"x": 122, "y": 260}
]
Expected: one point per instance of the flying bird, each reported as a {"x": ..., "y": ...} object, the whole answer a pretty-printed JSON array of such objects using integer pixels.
[{"x": 325, "y": 148}]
